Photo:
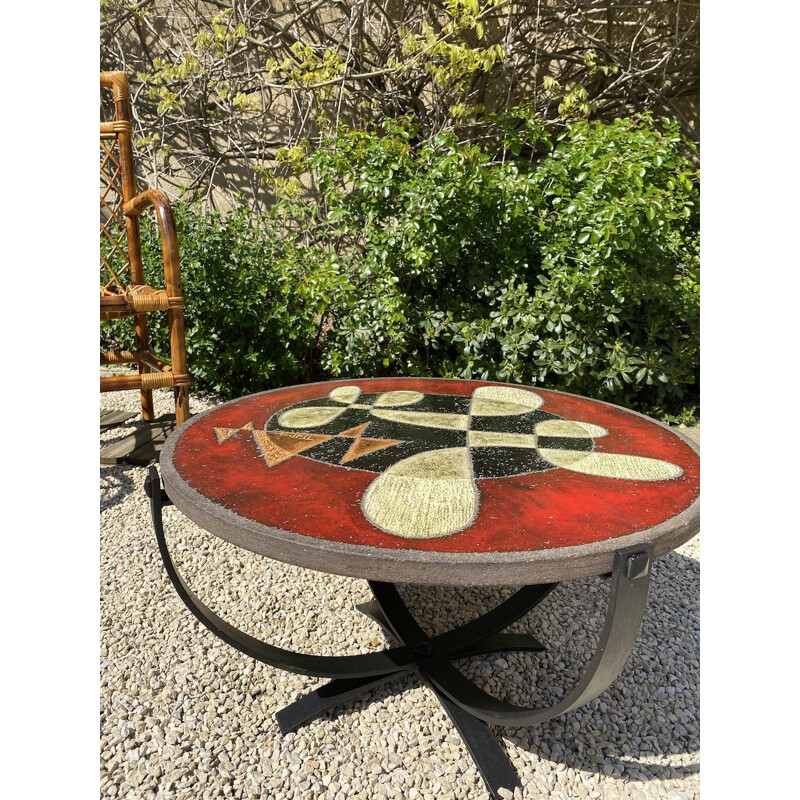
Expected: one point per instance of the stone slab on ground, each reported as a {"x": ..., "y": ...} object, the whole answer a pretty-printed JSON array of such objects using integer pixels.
[
  {"x": 142, "y": 443},
  {"x": 113, "y": 417}
]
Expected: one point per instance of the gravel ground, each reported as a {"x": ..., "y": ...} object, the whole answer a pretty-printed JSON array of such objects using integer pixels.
[{"x": 184, "y": 716}]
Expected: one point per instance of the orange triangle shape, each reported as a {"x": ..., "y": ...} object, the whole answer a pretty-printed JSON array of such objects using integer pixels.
[
  {"x": 361, "y": 447},
  {"x": 276, "y": 446},
  {"x": 223, "y": 434},
  {"x": 354, "y": 433}
]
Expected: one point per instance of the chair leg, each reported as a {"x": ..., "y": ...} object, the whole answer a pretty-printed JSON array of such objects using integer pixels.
[
  {"x": 142, "y": 345},
  {"x": 181, "y": 404},
  {"x": 177, "y": 345}
]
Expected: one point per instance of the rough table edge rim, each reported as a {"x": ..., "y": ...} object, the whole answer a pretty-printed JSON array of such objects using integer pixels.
[{"x": 416, "y": 566}]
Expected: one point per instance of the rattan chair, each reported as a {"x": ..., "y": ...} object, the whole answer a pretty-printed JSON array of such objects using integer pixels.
[{"x": 123, "y": 292}]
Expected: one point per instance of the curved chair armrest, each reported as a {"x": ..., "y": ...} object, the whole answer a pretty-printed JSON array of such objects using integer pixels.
[{"x": 166, "y": 225}]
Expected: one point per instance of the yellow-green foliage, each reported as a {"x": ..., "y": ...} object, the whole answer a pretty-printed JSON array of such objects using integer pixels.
[
  {"x": 209, "y": 62},
  {"x": 449, "y": 59},
  {"x": 222, "y": 37},
  {"x": 307, "y": 67}
]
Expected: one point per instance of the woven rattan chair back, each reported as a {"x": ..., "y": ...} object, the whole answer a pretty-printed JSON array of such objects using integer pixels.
[
  {"x": 123, "y": 291},
  {"x": 117, "y": 186}
]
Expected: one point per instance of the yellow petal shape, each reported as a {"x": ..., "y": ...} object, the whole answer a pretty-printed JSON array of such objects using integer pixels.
[
  {"x": 309, "y": 417},
  {"x": 613, "y": 465},
  {"x": 572, "y": 428},
  {"x": 424, "y": 496},
  {"x": 345, "y": 394},
  {"x": 500, "y": 401},
  {"x": 399, "y": 398}
]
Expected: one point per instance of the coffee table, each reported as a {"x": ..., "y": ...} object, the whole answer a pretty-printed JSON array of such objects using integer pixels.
[{"x": 454, "y": 482}]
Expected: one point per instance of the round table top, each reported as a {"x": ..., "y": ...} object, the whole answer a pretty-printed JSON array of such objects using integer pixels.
[{"x": 423, "y": 480}]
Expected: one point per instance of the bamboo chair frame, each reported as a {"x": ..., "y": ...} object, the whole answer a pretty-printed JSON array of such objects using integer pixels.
[{"x": 123, "y": 292}]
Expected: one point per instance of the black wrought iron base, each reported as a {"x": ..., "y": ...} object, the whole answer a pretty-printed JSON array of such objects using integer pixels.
[{"x": 468, "y": 706}]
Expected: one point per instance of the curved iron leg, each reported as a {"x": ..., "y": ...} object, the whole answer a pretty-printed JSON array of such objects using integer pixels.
[
  {"x": 491, "y": 643},
  {"x": 333, "y": 694},
  {"x": 393, "y": 660},
  {"x": 477, "y": 636},
  {"x": 626, "y": 605},
  {"x": 468, "y": 706},
  {"x": 473, "y": 638},
  {"x": 488, "y": 754}
]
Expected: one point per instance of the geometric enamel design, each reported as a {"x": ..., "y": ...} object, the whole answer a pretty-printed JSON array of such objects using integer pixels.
[
  {"x": 362, "y": 446},
  {"x": 458, "y": 422},
  {"x": 345, "y": 394},
  {"x": 432, "y": 492},
  {"x": 497, "y": 401},
  {"x": 277, "y": 447},
  {"x": 310, "y": 416},
  {"x": 223, "y": 434},
  {"x": 429, "y": 451},
  {"x": 400, "y": 398},
  {"x": 566, "y": 427},
  {"x": 500, "y": 439},
  {"x": 613, "y": 465},
  {"x": 425, "y": 496},
  {"x": 354, "y": 433}
]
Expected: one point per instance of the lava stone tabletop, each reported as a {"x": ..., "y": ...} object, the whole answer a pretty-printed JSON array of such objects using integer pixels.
[{"x": 423, "y": 480}]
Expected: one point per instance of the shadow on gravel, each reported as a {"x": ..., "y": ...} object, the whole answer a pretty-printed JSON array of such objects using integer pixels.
[{"x": 119, "y": 481}]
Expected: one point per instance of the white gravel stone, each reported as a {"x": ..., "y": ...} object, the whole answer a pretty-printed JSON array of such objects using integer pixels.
[{"x": 184, "y": 716}]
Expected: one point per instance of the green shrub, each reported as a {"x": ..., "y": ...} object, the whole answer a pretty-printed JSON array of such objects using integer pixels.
[
  {"x": 579, "y": 271},
  {"x": 252, "y": 303},
  {"x": 575, "y": 269}
]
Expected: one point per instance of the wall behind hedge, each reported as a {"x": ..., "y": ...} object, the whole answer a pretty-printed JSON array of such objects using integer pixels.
[{"x": 220, "y": 88}]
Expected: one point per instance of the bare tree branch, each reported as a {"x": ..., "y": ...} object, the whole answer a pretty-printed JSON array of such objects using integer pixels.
[{"x": 226, "y": 85}]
